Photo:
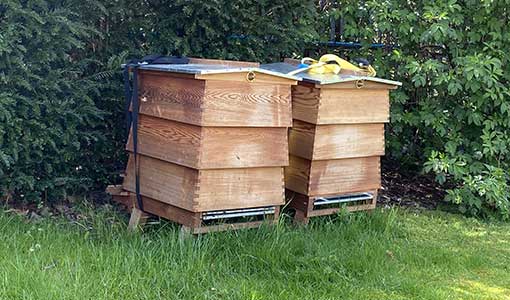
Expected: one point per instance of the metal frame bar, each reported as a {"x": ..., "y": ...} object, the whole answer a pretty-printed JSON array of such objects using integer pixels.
[
  {"x": 237, "y": 213},
  {"x": 342, "y": 199}
]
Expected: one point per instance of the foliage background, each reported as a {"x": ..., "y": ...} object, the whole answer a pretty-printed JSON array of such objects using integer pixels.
[{"x": 61, "y": 119}]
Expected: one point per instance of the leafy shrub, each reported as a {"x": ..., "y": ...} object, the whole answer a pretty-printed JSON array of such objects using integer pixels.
[{"x": 453, "y": 112}]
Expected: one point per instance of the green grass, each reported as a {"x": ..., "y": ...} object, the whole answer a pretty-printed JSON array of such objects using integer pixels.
[{"x": 384, "y": 255}]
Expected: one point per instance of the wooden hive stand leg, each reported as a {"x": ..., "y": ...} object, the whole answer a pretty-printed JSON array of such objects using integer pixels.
[
  {"x": 276, "y": 216},
  {"x": 374, "y": 200},
  {"x": 302, "y": 204},
  {"x": 137, "y": 220}
]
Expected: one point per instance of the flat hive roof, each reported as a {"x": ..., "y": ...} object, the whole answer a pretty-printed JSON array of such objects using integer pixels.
[
  {"x": 284, "y": 68},
  {"x": 205, "y": 69}
]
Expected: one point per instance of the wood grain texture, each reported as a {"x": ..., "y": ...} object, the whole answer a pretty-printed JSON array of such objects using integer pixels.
[
  {"x": 246, "y": 104},
  {"x": 238, "y": 147},
  {"x": 215, "y": 102},
  {"x": 340, "y": 176},
  {"x": 297, "y": 174},
  {"x": 240, "y": 188},
  {"x": 305, "y": 102},
  {"x": 347, "y": 106},
  {"x": 172, "y": 213},
  {"x": 166, "y": 96},
  {"x": 319, "y": 142},
  {"x": 168, "y": 140},
  {"x": 348, "y": 141},
  {"x": 163, "y": 181},
  {"x": 301, "y": 139},
  {"x": 211, "y": 147}
]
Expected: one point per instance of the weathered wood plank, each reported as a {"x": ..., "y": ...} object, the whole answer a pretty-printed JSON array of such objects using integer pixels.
[
  {"x": 240, "y": 188},
  {"x": 348, "y": 141},
  {"x": 341, "y": 176},
  {"x": 137, "y": 219},
  {"x": 297, "y": 174},
  {"x": 301, "y": 139},
  {"x": 246, "y": 104},
  {"x": 305, "y": 102},
  {"x": 165, "y": 96},
  {"x": 215, "y": 103},
  {"x": 211, "y": 147},
  {"x": 163, "y": 181},
  {"x": 353, "y": 106},
  {"x": 168, "y": 140},
  {"x": 238, "y": 147},
  {"x": 319, "y": 142}
]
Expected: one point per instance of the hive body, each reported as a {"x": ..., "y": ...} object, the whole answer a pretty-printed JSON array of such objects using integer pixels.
[
  {"x": 335, "y": 143},
  {"x": 210, "y": 142}
]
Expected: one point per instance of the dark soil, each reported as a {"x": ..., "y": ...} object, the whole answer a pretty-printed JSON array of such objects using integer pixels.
[
  {"x": 404, "y": 190},
  {"x": 412, "y": 191}
]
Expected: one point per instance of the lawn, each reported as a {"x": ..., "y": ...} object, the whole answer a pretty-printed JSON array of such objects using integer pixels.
[{"x": 390, "y": 254}]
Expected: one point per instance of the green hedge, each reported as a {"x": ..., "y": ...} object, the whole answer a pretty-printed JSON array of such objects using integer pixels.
[
  {"x": 452, "y": 115},
  {"x": 61, "y": 119}
]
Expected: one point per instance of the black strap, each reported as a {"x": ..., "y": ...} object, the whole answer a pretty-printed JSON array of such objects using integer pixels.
[{"x": 132, "y": 100}]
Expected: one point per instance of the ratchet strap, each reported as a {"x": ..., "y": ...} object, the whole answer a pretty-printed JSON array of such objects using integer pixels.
[
  {"x": 132, "y": 105},
  {"x": 332, "y": 64}
]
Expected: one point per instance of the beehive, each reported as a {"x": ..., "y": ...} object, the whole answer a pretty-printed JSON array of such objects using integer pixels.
[
  {"x": 336, "y": 141},
  {"x": 211, "y": 139}
]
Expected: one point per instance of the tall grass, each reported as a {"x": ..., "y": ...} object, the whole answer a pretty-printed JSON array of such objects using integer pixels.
[{"x": 384, "y": 255}]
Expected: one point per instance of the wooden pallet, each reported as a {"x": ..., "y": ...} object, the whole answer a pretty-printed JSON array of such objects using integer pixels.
[
  {"x": 305, "y": 208},
  {"x": 191, "y": 222}
]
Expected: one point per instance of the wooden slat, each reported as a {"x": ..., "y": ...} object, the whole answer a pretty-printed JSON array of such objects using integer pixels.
[
  {"x": 165, "y": 96},
  {"x": 237, "y": 147},
  {"x": 211, "y": 147},
  {"x": 319, "y": 142},
  {"x": 240, "y": 188},
  {"x": 305, "y": 102},
  {"x": 172, "y": 213},
  {"x": 246, "y": 104},
  {"x": 217, "y": 103},
  {"x": 168, "y": 140},
  {"x": 348, "y": 106},
  {"x": 342, "y": 176},
  {"x": 163, "y": 181},
  {"x": 297, "y": 174},
  {"x": 301, "y": 139},
  {"x": 348, "y": 141}
]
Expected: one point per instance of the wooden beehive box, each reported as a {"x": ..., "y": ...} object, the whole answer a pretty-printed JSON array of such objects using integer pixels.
[
  {"x": 336, "y": 139},
  {"x": 210, "y": 138}
]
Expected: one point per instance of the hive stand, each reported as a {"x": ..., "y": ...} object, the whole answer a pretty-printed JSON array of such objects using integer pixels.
[
  {"x": 212, "y": 144},
  {"x": 335, "y": 142},
  {"x": 192, "y": 222}
]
